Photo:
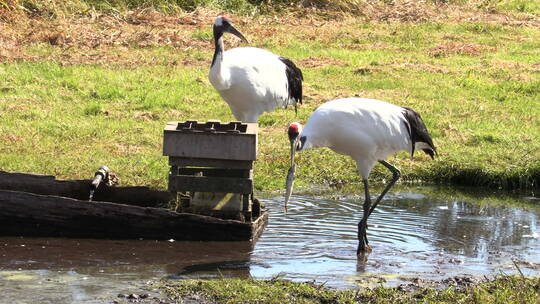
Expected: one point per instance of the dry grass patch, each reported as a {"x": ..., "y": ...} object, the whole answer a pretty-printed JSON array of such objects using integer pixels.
[
  {"x": 403, "y": 11},
  {"x": 379, "y": 45},
  {"x": 11, "y": 138},
  {"x": 124, "y": 149},
  {"x": 75, "y": 39},
  {"x": 515, "y": 66},
  {"x": 103, "y": 38},
  {"x": 459, "y": 48},
  {"x": 420, "y": 67},
  {"x": 275, "y": 129},
  {"x": 494, "y": 17},
  {"x": 365, "y": 71},
  {"x": 146, "y": 116},
  {"x": 314, "y": 97},
  {"x": 317, "y": 62}
]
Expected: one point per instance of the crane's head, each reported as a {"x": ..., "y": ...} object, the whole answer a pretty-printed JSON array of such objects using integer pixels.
[
  {"x": 223, "y": 24},
  {"x": 293, "y": 131}
]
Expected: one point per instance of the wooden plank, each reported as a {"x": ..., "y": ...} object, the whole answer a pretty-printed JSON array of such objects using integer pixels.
[
  {"x": 210, "y": 162},
  {"x": 258, "y": 225},
  {"x": 241, "y": 146},
  {"x": 181, "y": 183},
  {"x": 215, "y": 172},
  {"x": 246, "y": 203},
  {"x": 26, "y": 214},
  {"x": 228, "y": 215},
  {"x": 216, "y": 201}
]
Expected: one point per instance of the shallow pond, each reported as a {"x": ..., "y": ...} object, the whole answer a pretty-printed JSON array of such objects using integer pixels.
[{"x": 413, "y": 235}]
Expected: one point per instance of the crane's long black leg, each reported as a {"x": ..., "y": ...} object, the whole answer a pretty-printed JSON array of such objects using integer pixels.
[
  {"x": 362, "y": 225},
  {"x": 396, "y": 174}
]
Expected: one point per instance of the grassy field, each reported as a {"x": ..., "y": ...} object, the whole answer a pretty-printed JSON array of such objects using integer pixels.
[
  {"x": 503, "y": 289},
  {"x": 78, "y": 90}
]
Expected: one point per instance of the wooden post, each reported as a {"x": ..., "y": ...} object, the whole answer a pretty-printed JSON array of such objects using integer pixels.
[{"x": 213, "y": 162}]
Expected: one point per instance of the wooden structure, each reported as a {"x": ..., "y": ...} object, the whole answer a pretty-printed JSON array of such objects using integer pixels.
[
  {"x": 41, "y": 205},
  {"x": 213, "y": 162}
]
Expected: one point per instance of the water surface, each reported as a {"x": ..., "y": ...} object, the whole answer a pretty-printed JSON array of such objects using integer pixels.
[{"x": 412, "y": 235}]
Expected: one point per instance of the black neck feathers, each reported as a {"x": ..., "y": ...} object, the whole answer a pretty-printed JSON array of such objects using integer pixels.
[{"x": 218, "y": 43}]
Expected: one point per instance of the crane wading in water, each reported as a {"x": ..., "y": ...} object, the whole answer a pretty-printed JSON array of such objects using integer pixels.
[
  {"x": 368, "y": 130},
  {"x": 252, "y": 80}
]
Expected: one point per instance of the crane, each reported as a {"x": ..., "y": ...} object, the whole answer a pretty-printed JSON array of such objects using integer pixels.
[
  {"x": 367, "y": 130},
  {"x": 252, "y": 80}
]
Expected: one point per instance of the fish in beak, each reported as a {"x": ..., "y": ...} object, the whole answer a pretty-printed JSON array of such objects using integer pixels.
[{"x": 294, "y": 135}]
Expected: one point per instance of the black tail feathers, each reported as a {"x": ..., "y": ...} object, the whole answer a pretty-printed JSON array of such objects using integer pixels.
[
  {"x": 294, "y": 81},
  {"x": 418, "y": 132}
]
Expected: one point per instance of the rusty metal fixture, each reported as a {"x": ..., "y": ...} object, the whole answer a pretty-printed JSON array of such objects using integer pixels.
[{"x": 101, "y": 176}]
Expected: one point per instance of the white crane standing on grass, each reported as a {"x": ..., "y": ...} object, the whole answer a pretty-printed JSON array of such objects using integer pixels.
[
  {"x": 252, "y": 80},
  {"x": 368, "y": 130}
]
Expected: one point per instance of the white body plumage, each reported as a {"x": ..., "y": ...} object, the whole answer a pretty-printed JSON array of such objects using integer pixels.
[
  {"x": 252, "y": 81},
  {"x": 368, "y": 130}
]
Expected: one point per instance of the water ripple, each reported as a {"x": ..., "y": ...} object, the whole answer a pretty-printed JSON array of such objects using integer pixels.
[{"x": 409, "y": 232}]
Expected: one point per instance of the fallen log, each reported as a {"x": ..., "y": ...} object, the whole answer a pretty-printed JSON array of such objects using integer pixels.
[
  {"x": 32, "y": 205},
  {"x": 80, "y": 189}
]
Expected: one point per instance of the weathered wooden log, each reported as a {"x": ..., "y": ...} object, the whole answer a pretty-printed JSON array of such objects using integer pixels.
[
  {"x": 40, "y": 205},
  {"x": 80, "y": 189},
  {"x": 28, "y": 214}
]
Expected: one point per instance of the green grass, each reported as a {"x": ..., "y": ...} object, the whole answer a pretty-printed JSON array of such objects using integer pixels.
[
  {"x": 502, "y": 289},
  {"x": 475, "y": 84},
  {"x": 523, "y": 6}
]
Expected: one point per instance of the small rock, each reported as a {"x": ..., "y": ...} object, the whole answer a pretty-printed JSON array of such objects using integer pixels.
[
  {"x": 144, "y": 296},
  {"x": 121, "y": 295},
  {"x": 133, "y": 296}
]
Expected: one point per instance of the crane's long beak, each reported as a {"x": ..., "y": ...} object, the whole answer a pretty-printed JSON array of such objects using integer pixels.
[
  {"x": 290, "y": 174},
  {"x": 237, "y": 33}
]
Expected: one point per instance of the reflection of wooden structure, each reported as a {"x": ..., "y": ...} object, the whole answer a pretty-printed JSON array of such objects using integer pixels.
[
  {"x": 213, "y": 162},
  {"x": 40, "y": 205}
]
